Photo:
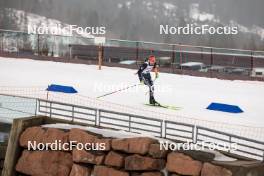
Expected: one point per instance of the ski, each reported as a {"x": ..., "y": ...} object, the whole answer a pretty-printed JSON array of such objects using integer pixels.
[{"x": 164, "y": 106}]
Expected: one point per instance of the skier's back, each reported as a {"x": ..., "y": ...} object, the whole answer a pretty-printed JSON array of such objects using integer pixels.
[{"x": 144, "y": 76}]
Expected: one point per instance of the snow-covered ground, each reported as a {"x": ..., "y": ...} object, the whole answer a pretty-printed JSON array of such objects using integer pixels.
[
  {"x": 192, "y": 94},
  {"x": 30, "y": 78}
]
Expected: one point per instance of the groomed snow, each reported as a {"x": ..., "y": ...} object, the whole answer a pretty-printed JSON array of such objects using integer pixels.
[{"x": 193, "y": 94}]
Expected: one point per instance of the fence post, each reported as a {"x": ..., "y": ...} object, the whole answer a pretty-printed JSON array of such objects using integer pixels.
[
  {"x": 100, "y": 55},
  {"x": 72, "y": 113},
  {"x": 137, "y": 52},
  {"x": 50, "y": 108},
  {"x": 103, "y": 53},
  {"x": 165, "y": 129},
  {"x": 2, "y": 43},
  {"x": 212, "y": 59},
  {"x": 201, "y": 53},
  {"x": 98, "y": 117},
  {"x": 161, "y": 128},
  {"x": 173, "y": 58},
  {"x": 70, "y": 50},
  {"x": 230, "y": 141},
  {"x": 251, "y": 61},
  {"x": 129, "y": 123},
  {"x": 195, "y": 134},
  {"x": 211, "y": 63},
  {"x": 36, "y": 107}
]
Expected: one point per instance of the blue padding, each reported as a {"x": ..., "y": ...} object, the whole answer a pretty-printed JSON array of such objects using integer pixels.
[
  {"x": 63, "y": 89},
  {"x": 224, "y": 108}
]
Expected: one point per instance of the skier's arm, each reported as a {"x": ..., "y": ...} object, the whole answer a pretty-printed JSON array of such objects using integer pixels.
[{"x": 140, "y": 70}]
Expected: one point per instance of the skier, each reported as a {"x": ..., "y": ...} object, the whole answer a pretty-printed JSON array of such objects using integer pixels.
[{"x": 145, "y": 77}]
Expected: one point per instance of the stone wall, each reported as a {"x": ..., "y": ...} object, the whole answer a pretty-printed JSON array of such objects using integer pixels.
[{"x": 120, "y": 157}]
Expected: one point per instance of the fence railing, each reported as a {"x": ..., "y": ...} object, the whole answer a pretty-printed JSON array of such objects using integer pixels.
[
  {"x": 244, "y": 146},
  {"x": 179, "y": 131},
  {"x": 72, "y": 112},
  {"x": 156, "y": 127},
  {"x": 130, "y": 122}
]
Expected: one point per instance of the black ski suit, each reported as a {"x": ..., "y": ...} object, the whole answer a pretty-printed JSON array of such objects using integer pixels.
[{"x": 145, "y": 76}]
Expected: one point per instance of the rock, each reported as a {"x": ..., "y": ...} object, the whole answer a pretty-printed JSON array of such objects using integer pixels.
[
  {"x": 133, "y": 145},
  {"x": 141, "y": 163},
  {"x": 120, "y": 145},
  {"x": 81, "y": 136},
  {"x": 147, "y": 174},
  {"x": 152, "y": 174},
  {"x": 183, "y": 164},
  {"x": 78, "y": 170},
  {"x": 30, "y": 135},
  {"x": 114, "y": 159},
  {"x": 156, "y": 152},
  {"x": 53, "y": 134},
  {"x": 105, "y": 142},
  {"x": 107, "y": 171},
  {"x": 210, "y": 169},
  {"x": 82, "y": 156},
  {"x": 199, "y": 155},
  {"x": 42, "y": 163}
]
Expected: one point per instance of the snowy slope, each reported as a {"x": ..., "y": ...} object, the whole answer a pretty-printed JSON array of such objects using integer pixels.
[
  {"x": 25, "y": 20},
  {"x": 193, "y": 94},
  {"x": 169, "y": 11}
]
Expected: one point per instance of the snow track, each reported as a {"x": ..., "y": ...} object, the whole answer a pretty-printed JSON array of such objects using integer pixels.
[{"x": 29, "y": 78}]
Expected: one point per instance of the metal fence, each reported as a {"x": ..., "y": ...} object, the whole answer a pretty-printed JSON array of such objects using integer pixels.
[
  {"x": 73, "y": 112},
  {"x": 174, "y": 58},
  {"x": 155, "y": 127},
  {"x": 130, "y": 122},
  {"x": 16, "y": 107},
  {"x": 244, "y": 146}
]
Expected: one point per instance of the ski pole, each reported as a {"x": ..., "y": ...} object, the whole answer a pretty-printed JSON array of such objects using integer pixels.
[{"x": 120, "y": 90}]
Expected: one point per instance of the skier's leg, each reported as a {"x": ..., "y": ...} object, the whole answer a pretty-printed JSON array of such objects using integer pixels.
[
  {"x": 151, "y": 89},
  {"x": 151, "y": 93},
  {"x": 148, "y": 81}
]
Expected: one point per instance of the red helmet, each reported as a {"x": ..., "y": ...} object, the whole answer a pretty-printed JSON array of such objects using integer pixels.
[{"x": 152, "y": 59}]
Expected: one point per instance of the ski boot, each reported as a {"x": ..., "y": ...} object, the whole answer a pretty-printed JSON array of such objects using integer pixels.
[{"x": 153, "y": 102}]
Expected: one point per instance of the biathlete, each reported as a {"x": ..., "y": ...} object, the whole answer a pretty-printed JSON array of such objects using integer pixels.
[{"x": 145, "y": 77}]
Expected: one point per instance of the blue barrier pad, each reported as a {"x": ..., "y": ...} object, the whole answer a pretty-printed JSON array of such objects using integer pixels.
[
  {"x": 224, "y": 108},
  {"x": 60, "y": 88}
]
